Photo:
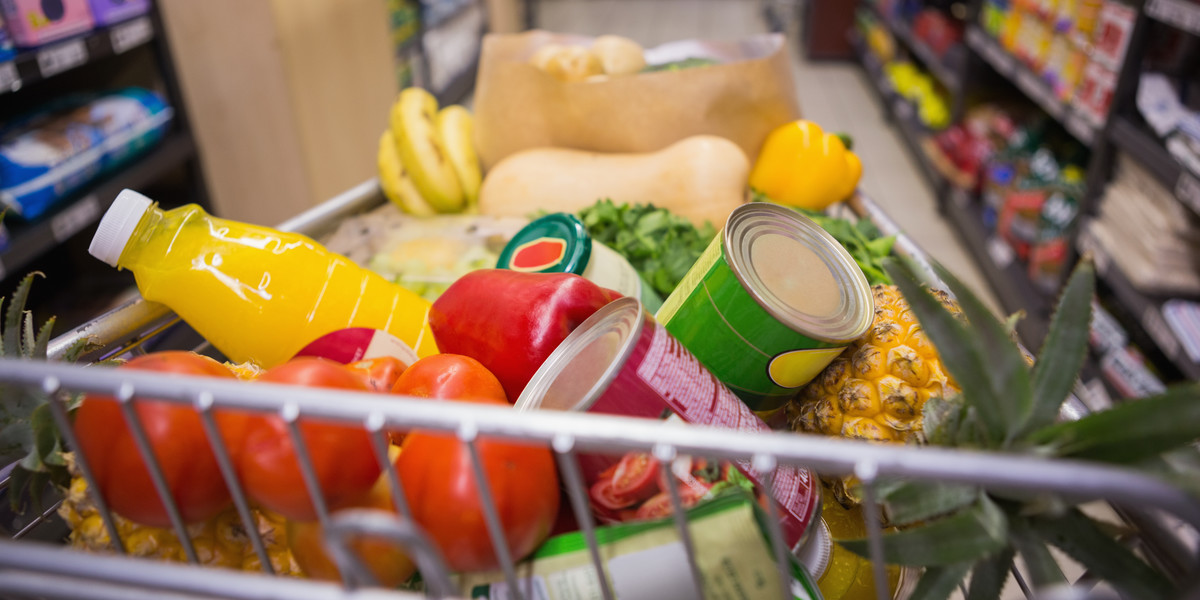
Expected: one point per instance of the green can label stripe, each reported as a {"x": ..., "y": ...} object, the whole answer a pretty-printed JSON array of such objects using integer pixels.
[{"x": 691, "y": 280}]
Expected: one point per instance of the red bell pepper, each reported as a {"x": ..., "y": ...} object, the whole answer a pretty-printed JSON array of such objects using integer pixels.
[{"x": 511, "y": 321}]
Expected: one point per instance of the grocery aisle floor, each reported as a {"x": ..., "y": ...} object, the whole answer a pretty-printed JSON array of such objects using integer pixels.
[{"x": 833, "y": 94}]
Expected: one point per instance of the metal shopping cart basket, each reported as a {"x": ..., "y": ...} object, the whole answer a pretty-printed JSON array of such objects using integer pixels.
[{"x": 41, "y": 570}]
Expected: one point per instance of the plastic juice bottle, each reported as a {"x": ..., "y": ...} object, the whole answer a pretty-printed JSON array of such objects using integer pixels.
[
  {"x": 842, "y": 574},
  {"x": 257, "y": 294}
]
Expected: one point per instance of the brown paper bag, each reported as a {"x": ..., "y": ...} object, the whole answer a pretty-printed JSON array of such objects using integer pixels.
[{"x": 518, "y": 106}]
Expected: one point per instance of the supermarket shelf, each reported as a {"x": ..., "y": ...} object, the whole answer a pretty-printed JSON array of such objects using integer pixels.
[
  {"x": 933, "y": 63},
  {"x": 1147, "y": 150},
  {"x": 460, "y": 86},
  {"x": 1031, "y": 85},
  {"x": 1179, "y": 14},
  {"x": 441, "y": 17},
  {"x": 1003, "y": 271},
  {"x": 27, "y": 242},
  {"x": 904, "y": 114},
  {"x": 1147, "y": 310},
  {"x": 31, "y": 66}
]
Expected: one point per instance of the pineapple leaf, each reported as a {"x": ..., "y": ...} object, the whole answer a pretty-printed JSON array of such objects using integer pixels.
[
  {"x": 1083, "y": 540},
  {"x": 959, "y": 351},
  {"x": 1065, "y": 349},
  {"x": 18, "y": 483},
  {"x": 1006, "y": 409},
  {"x": 11, "y": 337},
  {"x": 1011, "y": 322},
  {"x": 1129, "y": 432},
  {"x": 1040, "y": 565},
  {"x": 75, "y": 350},
  {"x": 45, "y": 435},
  {"x": 42, "y": 341},
  {"x": 989, "y": 575},
  {"x": 969, "y": 534},
  {"x": 942, "y": 419},
  {"x": 937, "y": 583},
  {"x": 27, "y": 339},
  {"x": 914, "y": 501}
]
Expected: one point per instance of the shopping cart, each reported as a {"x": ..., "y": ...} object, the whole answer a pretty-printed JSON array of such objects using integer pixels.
[{"x": 39, "y": 570}]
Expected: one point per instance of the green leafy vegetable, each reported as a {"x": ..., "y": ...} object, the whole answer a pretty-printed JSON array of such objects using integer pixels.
[{"x": 660, "y": 245}]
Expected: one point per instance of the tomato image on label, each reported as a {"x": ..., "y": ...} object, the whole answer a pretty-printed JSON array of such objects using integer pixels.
[
  {"x": 538, "y": 255},
  {"x": 795, "y": 368}
]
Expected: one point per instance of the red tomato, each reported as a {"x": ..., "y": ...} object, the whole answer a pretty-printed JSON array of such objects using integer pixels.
[
  {"x": 603, "y": 497},
  {"x": 439, "y": 482},
  {"x": 341, "y": 454},
  {"x": 177, "y": 438},
  {"x": 380, "y": 372},
  {"x": 448, "y": 377},
  {"x": 390, "y": 565},
  {"x": 635, "y": 476}
]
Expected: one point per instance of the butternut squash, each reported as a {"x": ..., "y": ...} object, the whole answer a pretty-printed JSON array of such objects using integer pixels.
[{"x": 702, "y": 178}]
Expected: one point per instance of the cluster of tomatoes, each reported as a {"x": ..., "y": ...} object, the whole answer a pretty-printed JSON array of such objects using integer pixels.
[
  {"x": 635, "y": 488},
  {"x": 435, "y": 468}
]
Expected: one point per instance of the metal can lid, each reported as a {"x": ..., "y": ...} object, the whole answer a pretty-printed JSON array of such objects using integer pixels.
[
  {"x": 555, "y": 243},
  {"x": 583, "y": 365},
  {"x": 798, "y": 273}
]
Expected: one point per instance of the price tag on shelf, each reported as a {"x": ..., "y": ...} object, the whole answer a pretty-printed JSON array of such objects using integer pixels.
[
  {"x": 1002, "y": 254},
  {"x": 1179, "y": 13},
  {"x": 72, "y": 220},
  {"x": 61, "y": 57},
  {"x": 1158, "y": 329},
  {"x": 1187, "y": 189},
  {"x": 10, "y": 80},
  {"x": 131, "y": 34}
]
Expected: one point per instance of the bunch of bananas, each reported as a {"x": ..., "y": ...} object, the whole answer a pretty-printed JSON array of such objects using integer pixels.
[{"x": 427, "y": 159}]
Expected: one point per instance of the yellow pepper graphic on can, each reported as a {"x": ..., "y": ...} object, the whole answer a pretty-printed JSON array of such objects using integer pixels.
[{"x": 770, "y": 303}]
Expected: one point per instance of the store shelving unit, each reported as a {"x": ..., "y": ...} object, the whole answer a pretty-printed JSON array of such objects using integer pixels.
[
  {"x": 461, "y": 22},
  {"x": 31, "y": 66},
  {"x": 1121, "y": 133}
]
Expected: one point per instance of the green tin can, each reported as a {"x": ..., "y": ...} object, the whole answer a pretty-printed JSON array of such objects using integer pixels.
[{"x": 770, "y": 303}]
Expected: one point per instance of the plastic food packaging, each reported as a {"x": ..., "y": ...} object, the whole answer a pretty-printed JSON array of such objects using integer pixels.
[
  {"x": 257, "y": 294},
  {"x": 107, "y": 12},
  {"x": 648, "y": 560},
  {"x": 36, "y": 22},
  {"x": 47, "y": 155}
]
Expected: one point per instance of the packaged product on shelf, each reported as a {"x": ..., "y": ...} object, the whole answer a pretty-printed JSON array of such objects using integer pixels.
[
  {"x": 1048, "y": 253},
  {"x": 46, "y": 156},
  {"x": 108, "y": 12},
  {"x": 257, "y": 294},
  {"x": 647, "y": 560},
  {"x": 35, "y": 22},
  {"x": 745, "y": 95},
  {"x": 1114, "y": 26},
  {"x": 6, "y": 44},
  {"x": 1183, "y": 317},
  {"x": 620, "y": 361}
]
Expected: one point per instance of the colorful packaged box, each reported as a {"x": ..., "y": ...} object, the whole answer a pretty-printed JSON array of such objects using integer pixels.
[
  {"x": 1114, "y": 25},
  {"x": 1095, "y": 91},
  {"x": 6, "y": 45},
  {"x": 37, "y": 22},
  {"x": 108, "y": 12}
]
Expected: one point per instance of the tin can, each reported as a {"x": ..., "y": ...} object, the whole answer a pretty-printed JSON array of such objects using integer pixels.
[
  {"x": 620, "y": 361},
  {"x": 559, "y": 243},
  {"x": 770, "y": 303}
]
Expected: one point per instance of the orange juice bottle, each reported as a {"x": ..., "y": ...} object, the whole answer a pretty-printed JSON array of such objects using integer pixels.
[{"x": 257, "y": 294}]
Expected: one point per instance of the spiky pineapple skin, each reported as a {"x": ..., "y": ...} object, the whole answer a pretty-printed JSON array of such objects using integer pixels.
[
  {"x": 221, "y": 541},
  {"x": 877, "y": 388}
]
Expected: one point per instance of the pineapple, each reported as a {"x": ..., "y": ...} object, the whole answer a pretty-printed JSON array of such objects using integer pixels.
[
  {"x": 877, "y": 389},
  {"x": 221, "y": 541}
]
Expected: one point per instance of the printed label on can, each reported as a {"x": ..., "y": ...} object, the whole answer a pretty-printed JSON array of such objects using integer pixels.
[{"x": 694, "y": 394}]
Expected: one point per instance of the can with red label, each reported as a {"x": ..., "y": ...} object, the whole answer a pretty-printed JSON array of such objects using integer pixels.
[
  {"x": 559, "y": 243},
  {"x": 620, "y": 361}
]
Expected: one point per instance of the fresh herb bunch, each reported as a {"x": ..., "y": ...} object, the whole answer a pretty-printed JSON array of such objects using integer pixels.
[
  {"x": 1006, "y": 405},
  {"x": 660, "y": 245},
  {"x": 865, "y": 243}
]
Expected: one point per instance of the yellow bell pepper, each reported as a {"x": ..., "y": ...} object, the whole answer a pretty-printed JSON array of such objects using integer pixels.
[{"x": 801, "y": 165}]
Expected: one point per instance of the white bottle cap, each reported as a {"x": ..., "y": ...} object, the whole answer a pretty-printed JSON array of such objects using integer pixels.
[{"x": 117, "y": 225}]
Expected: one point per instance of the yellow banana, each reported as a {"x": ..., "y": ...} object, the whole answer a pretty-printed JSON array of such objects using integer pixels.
[
  {"x": 396, "y": 184},
  {"x": 457, "y": 130},
  {"x": 421, "y": 150}
]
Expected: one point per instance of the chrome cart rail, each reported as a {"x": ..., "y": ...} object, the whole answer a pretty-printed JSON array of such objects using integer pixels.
[{"x": 29, "y": 569}]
